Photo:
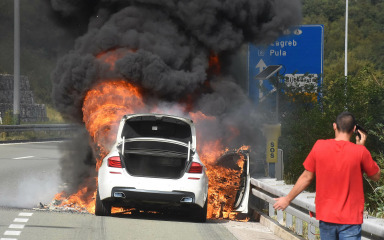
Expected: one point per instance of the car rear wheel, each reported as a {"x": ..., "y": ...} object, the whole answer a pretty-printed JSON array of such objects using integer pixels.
[
  {"x": 102, "y": 208},
  {"x": 200, "y": 215}
]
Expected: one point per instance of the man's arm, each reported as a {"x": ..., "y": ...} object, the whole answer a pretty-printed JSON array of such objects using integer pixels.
[
  {"x": 375, "y": 177},
  {"x": 361, "y": 141},
  {"x": 302, "y": 183}
]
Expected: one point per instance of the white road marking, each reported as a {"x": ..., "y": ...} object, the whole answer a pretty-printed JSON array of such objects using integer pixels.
[
  {"x": 16, "y": 226},
  {"x": 12, "y": 233},
  {"x": 24, "y": 220},
  {"x": 25, "y": 214},
  {"x": 23, "y": 157}
]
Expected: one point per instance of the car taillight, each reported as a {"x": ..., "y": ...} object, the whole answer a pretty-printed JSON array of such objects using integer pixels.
[
  {"x": 196, "y": 168},
  {"x": 114, "y": 162}
]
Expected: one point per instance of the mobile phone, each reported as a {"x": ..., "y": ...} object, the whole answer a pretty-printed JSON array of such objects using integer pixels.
[{"x": 358, "y": 127}]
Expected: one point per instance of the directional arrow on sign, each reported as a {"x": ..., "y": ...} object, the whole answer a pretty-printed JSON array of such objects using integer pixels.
[{"x": 261, "y": 65}]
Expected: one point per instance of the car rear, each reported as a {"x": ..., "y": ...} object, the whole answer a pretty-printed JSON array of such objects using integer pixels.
[{"x": 154, "y": 163}]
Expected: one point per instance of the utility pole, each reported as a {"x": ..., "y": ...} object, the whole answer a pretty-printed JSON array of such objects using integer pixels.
[
  {"x": 277, "y": 97},
  {"x": 346, "y": 55},
  {"x": 16, "y": 64}
]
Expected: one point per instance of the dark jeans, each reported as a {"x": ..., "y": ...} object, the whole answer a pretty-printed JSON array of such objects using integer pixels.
[{"x": 333, "y": 231}]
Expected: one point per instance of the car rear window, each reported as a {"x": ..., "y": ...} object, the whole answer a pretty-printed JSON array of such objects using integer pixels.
[{"x": 151, "y": 126}]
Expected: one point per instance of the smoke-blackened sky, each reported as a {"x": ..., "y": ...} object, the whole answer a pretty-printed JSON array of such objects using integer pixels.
[
  {"x": 165, "y": 47},
  {"x": 172, "y": 41}
]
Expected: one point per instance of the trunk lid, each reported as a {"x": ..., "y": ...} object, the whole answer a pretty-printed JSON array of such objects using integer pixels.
[{"x": 155, "y": 145}]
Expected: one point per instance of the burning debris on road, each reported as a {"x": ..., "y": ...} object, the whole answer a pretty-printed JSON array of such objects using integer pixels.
[
  {"x": 61, "y": 203},
  {"x": 160, "y": 56},
  {"x": 58, "y": 206}
]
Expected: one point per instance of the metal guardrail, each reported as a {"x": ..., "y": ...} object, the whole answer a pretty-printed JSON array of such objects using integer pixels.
[
  {"x": 38, "y": 127},
  {"x": 41, "y": 132},
  {"x": 267, "y": 189}
]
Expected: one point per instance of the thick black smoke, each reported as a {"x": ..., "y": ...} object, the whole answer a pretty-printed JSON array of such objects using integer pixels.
[
  {"x": 170, "y": 43},
  {"x": 78, "y": 162}
]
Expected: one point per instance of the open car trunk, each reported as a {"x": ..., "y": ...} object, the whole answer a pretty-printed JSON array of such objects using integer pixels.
[
  {"x": 156, "y": 146},
  {"x": 239, "y": 161}
]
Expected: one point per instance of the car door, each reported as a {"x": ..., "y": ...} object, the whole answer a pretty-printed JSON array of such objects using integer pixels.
[{"x": 231, "y": 159}]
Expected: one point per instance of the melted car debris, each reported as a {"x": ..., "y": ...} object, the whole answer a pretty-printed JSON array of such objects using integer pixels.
[{"x": 55, "y": 206}]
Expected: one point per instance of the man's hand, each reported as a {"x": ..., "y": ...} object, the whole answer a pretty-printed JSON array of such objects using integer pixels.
[
  {"x": 361, "y": 141},
  {"x": 281, "y": 203},
  {"x": 302, "y": 183}
]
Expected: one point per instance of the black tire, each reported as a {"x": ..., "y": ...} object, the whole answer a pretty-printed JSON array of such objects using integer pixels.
[
  {"x": 102, "y": 208},
  {"x": 201, "y": 213}
]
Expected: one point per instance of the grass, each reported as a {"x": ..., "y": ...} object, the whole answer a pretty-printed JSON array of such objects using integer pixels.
[
  {"x": 32, "y": 135},
  {"x": 53, "y": 115}
]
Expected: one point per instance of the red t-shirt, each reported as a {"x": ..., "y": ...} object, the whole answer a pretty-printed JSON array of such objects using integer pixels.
[{"x": 339, "y": 167}]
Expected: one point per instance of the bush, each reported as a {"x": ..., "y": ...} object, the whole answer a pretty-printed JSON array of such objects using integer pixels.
[
  {"x": 375, "y": 195},
  {"x": 8, "y": 118}
]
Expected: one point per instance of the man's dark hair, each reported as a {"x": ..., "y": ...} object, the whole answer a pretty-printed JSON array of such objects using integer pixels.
[{"x": 345, "y": 122}]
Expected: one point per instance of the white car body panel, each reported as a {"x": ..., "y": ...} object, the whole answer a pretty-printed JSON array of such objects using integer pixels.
[
  {"x": 108, "y": 180},
  {"x": 242, "y": 204}
]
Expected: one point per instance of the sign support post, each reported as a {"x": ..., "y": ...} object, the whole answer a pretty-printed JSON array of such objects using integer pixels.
[{"x": 272, "y": 132}]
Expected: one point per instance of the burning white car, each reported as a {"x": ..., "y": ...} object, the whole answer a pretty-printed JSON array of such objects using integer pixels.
[{"x": 153, "y": 163}]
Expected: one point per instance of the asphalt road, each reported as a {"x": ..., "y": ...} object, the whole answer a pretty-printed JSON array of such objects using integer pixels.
[
  {"x": 29, "y": 174},
  {"x": 65, "y": 226}
]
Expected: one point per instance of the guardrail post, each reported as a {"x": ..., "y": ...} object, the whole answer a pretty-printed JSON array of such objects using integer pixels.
[
  {"x": 299, "y": 226},
  {"x": 280, "y": 216},
  {"x": 279, "y": 168},
  {"x": 311, "y": 232},
  {"x": 271, "y": 210},
  {"x": 288, "y": 220}
]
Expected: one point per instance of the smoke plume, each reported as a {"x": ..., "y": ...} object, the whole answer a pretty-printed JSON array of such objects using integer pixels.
[{"x": 165, "y": 47}]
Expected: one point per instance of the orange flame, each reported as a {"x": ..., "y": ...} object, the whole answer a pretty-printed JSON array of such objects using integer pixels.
[
  {"x": 83, "y": 199},
  {"x": 112, "y": 56},
  {"x": 214, "y": 64},
  {"x": 223, "y": 185},
  {"x": 105, "y": 105}
]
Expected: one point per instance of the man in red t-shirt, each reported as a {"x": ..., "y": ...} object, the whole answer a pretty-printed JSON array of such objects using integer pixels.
[{"x": 339, "y": 166}]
